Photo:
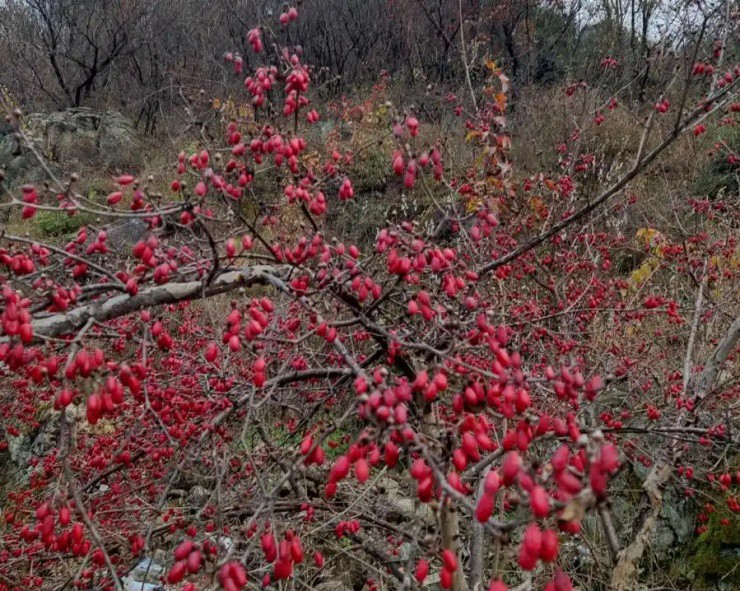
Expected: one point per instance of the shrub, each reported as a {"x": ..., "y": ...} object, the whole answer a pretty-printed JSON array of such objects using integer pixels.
[
  {"x": 720, "y": 173},
  {"x": 496, "y": 375},
  {"x": 52, "y": 223}
]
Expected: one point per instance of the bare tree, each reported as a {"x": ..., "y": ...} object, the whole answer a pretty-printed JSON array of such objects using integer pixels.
[{"x": 72, "y": 47}]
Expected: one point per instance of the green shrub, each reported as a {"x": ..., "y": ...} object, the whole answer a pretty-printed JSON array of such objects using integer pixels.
[
  {"x": 716, "y": 549},
  {"x": 719, "y": 175},
  {"x": 370, "y": 172},
  {"x": 53, "y": 223}
]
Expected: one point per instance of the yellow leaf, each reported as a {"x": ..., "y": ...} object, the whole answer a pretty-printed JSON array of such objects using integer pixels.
[
  {"x": 473, "y": 204},
  {"x": 575, "y": 510},
  {"x": 536, "y": 204},
  {"x": 312, "y": 159},
  {"x": 501, "y": 100}
]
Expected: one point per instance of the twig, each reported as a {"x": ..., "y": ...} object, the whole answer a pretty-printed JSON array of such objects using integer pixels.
[{"x": 463, "y": 53}]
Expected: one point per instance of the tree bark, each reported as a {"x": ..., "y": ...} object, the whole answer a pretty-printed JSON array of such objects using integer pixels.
[
  {"x": 450, "y": 529},
  {"x": 101, "y": 311}
]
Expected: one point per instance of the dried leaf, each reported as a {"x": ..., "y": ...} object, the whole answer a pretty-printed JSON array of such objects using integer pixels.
[{"x": 576, "y": 508}]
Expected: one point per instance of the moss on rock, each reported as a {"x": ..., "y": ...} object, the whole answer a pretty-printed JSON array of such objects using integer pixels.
[{"x": 718, "y": 549}]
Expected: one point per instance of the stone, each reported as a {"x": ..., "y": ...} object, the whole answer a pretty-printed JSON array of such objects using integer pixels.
[
  {"x": 399, "y": 506},
  {"x": 9, "y": 147},
  {"x": 87, "y": 137},
  {"x": 15, "y": 465},
  {"x": 144, "y": 576},
  {"x": 117, "y": 142},
  {"x": 335, "y": 585},
  {"x": 130, "y": 585},
  {"x": 674, "y": 528},
  {"x": 197, "y": 496},
  {"x": 70, "y": 141},
  {"x": 147, "y": 568},
  {"x": 126, "y": 233},
  {"x": 36, "y": 443}
]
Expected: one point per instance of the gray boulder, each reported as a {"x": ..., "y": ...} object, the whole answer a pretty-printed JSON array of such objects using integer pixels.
[
  {"x": 15, "y": 466},
  {"x": 87, "y": 137},
  {"x": 125, "y": 233},
  {"x": 70, "y": 141},
  {"x": 118, "y": 144},
  {"x": 399, "y": 506},
  {"x": 18, "y": 164},
  {"x": 145, "y": 576}
]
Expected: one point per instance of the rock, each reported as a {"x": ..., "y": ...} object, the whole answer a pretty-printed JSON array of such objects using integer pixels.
[
  {"x": 226, "y": 543},
  {"x": 144, "y": 576},
  {"x": 126, "y": 233},
  {"x": 332, "y": 127},
  {"x": 130, "y": 585},
  {"x": 117, "y": 142},
  {"x": 69, "y": 141},
  {"x": 9, "y": 147},
  {"x": 333, "y": 586},
  {"x": 87, "y": 137},
  {"x": 399, "y": 506},
  {"x": 676, "y": 523},
  {"x": 404, "y": 551},
  {"x": 147, "y": 568},
  {"x": 15, "y": 465},
  {"x": 36, "y": 443},
  {"x": 17, "y": 163},
  {"x": 197, "y": 496},
  {"x": 678, "y": 517}
]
